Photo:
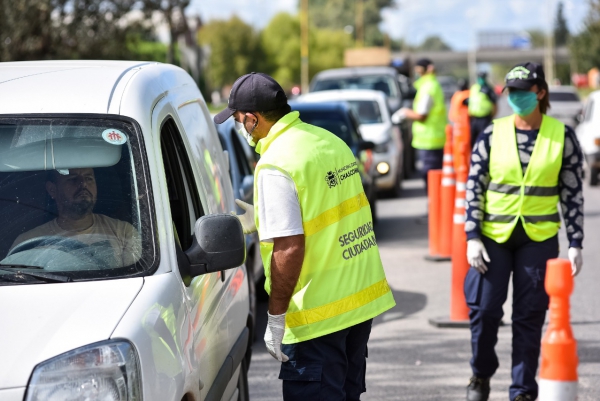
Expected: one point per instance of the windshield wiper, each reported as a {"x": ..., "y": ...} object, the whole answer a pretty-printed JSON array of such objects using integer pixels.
[
  {"x": 48, "y": 277},
  {"x": 13, "y": 266}
]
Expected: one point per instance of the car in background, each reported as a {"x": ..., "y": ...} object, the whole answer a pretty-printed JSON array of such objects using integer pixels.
[
  {"x": 449, "y": 86},
  {"x": 149, "y": 302},
  {"x": 376, "y": 126},
  {"x": 565, "y": 104},
  {"x": 385, "y": 79},
  {"x": 339, "y": 119},
  {"x": 588, "y": 135},
  {"x": 241, "y": 171}
]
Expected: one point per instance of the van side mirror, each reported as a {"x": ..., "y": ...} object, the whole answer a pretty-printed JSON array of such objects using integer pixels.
[
  {"x": 218, "y": 245},
  {"x": 247, "y": 189}
]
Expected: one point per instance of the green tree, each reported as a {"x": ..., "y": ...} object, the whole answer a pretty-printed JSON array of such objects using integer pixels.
[
  {"x": 336, "y": 14},
  {"x": 234, "y": 49},
  {"x": 281, "y": 44},
  {"x": 68, "y": 29},
  {"x": 538, "y": 38},
  {"x": 173, "y": 13},
  {"x": 434, "y": 43},
  {"x": 585, "y": 47},
  {"x": 561, "y": 30}
]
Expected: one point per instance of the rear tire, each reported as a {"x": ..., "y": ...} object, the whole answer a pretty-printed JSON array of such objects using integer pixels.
[{"x": 242, "y": 387}]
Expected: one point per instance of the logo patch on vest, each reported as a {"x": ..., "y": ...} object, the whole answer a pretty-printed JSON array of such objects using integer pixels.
[{"x": 337, "y": 176}]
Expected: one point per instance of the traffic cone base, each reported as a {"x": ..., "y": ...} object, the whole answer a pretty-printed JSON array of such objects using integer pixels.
[{"x": 551, "y": 390}]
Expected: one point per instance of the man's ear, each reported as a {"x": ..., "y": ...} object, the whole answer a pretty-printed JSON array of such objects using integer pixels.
[
  {"x": 51, "y": 188},
  {"x": 543, "y": 93}
]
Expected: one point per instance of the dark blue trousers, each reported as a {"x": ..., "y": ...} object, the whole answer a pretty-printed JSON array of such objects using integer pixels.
[
  {"x": 485, "y": 294},
  {"x": 327, "y": 368},
  {"x": 430, "y": 159},
  {"x": 478, "y": 125}
]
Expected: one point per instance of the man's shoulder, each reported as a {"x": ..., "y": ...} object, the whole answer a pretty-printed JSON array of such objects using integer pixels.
[
  {"x": 39, "y": 231},
  {"x": 114, "y": 224}
]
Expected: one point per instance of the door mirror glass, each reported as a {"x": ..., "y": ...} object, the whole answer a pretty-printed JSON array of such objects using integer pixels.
[
  {"x": 218, "y": 244},
  {"x": 247, "y": 189}
]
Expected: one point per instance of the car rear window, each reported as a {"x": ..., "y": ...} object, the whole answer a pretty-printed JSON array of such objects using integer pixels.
[
  {"x": 368, "y": 111},
  {"x": 563, "y": 97},
  {"x": 332, "y": 122}
]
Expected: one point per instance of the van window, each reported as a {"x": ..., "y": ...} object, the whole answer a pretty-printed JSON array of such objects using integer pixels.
[
  {"x": 240, "y": 155},
  {"x": 73, "y": 199},
  {"x": 382, "y": 83},
  {"x": 183, "y": 193}
]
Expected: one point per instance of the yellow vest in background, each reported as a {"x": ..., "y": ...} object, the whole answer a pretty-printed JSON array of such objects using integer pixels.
[
  {"x": 431, "y": 133},
  {"x": 480, "y": 104},
  {"x": 342, "y": 282},
  {"x": 533, "y": 198}
]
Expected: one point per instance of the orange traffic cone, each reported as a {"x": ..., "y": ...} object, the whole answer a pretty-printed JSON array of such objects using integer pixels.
[
  {"x": 558, "y": 373},
  {"x": 447, "y": 198},
  {"x": 434, "y": 182},
  {"x": 459, "y": 311}
]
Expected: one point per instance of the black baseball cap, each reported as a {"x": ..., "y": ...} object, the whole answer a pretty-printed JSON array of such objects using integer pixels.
[
  {"x": 523, "y": 76},
  {"x": 424, "y": 62},
  {"x": 253, "y": 92}
]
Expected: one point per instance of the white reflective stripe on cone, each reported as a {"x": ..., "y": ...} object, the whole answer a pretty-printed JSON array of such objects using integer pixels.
[
  {"x": 460, "y": 202},
  {"x": 461, "y": 186},
  {"x": 448, "y": 157},
  {"x": 552, "y": 390},
  {"x": 448, "y": 182},
  {"x": 448, "y": 170},
  {"x": 459, "y": 219}
]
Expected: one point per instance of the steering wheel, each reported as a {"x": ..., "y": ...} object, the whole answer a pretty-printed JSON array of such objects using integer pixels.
[{"x": 64, "y": 244}]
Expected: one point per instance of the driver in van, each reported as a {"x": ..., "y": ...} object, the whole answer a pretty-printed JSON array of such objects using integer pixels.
[{"x": 75, "y": 193}]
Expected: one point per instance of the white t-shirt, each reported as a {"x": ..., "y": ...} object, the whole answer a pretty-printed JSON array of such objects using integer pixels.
[
  {"x": 279, "y": 210},
  {"x": 425, "y": 104}
]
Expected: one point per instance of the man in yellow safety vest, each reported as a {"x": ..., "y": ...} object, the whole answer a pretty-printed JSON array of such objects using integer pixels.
[
  {"x": 482, "y": 106},
  {"x": 323, "y": 271}
]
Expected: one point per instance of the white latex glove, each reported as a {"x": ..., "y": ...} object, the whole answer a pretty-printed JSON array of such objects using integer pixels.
[
  {"x": 576, "y": 259},
  {"x": 247, "y": 219},
  {"x": 476, "y": 255},
  {"x": 399, "y": 116},
  {"x": 274, "y": 336}
]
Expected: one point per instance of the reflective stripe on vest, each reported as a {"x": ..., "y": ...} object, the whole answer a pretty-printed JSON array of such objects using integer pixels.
[
  {"x": 342, "y": 282},
  {"x": 430, "y": 134},
  {"x": 533, "y": 197},
  {"x": 480, "y": 104}
]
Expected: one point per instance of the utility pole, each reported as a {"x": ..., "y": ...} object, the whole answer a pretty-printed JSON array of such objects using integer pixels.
[
  {"x": 360, "y": 23},
  {"x": 304, "y": 75}
]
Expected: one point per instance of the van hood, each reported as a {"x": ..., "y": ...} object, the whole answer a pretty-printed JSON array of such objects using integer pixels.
[{"x": 40, "y": 321}]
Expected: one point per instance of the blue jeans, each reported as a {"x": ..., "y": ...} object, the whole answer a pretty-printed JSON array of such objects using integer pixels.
[
  {"x": 431, "y": 159},
  {"x": 486, "y": 293},
  {"x": 327, "y": 368}
]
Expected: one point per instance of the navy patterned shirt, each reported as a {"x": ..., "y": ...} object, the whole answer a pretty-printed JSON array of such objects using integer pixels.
[{"x": 570, "y": 183}]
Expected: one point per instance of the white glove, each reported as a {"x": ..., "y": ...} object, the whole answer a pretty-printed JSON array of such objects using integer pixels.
[
  {"x": 576, "y": 259},
  {"x": 247, "y": 219},
  {"x": 399, "y": 116},
  {"x": 274, "y": 336},
  {"x": 476, "y": 255}
]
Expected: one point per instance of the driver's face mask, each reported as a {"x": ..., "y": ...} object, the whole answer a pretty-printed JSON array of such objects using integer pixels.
[{"x": 241, "y": 128}]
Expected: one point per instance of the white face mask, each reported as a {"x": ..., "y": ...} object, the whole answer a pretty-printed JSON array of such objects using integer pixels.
[{"x": 241, "y": 128}]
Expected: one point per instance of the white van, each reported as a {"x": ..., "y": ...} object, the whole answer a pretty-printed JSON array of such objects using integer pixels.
[{"x": 121, "y": 267}]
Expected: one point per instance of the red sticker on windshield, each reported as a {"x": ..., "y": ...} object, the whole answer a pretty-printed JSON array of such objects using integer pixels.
[{"x": 114, "y": 136}]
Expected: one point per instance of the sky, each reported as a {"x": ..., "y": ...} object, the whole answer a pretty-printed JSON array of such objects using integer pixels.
[{"x": 456, "y": 21}]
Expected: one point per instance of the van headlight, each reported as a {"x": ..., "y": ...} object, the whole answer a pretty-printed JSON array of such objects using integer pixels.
[{"x": 106, "y": 371}]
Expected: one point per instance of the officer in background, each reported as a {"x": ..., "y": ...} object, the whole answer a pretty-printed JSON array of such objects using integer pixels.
[
  {"x": 429, "y": 118},
  {"x": 323, "y": 271},
  {"x": 522, "y": 167},
  {"x": 482, "y": 106}
]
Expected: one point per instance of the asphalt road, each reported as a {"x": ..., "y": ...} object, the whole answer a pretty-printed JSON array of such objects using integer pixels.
[{"x": 411, "y": 360}]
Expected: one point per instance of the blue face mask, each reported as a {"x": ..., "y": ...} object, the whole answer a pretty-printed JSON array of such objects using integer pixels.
[{"x": 523, "y": 103}]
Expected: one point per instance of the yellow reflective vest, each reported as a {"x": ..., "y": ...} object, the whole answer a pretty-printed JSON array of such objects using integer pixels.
[
  {"x": 431, "y": 133},
  {"x": 342, "y": 282},
  {"x": 480, "y": 104},
  {"x": 532, "y": 198}
]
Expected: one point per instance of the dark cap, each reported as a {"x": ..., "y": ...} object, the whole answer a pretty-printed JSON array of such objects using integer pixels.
[
  {"x": 524, "y": 76},
  {"x": 424, "y": 62},
  {"x": 253, "y": 92}
]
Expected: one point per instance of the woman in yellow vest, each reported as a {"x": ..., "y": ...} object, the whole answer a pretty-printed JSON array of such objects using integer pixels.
[{"x": 522, "y": 167}]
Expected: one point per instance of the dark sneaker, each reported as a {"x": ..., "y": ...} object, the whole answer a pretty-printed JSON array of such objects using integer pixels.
[
  {"x": 523, "y": 397},
  {"x": 478, "y": 389}
]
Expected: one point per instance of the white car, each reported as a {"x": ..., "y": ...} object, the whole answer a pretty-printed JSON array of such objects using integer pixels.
[
  {"x": 370, "y": 106},
  {"x": 121, "y": 267},
  {"x": 588, "y": 134},
  {"x": 565, "y": 104}
]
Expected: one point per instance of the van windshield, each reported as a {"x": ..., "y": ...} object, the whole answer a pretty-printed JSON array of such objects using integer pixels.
[{"x": 73, "y": 200}]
